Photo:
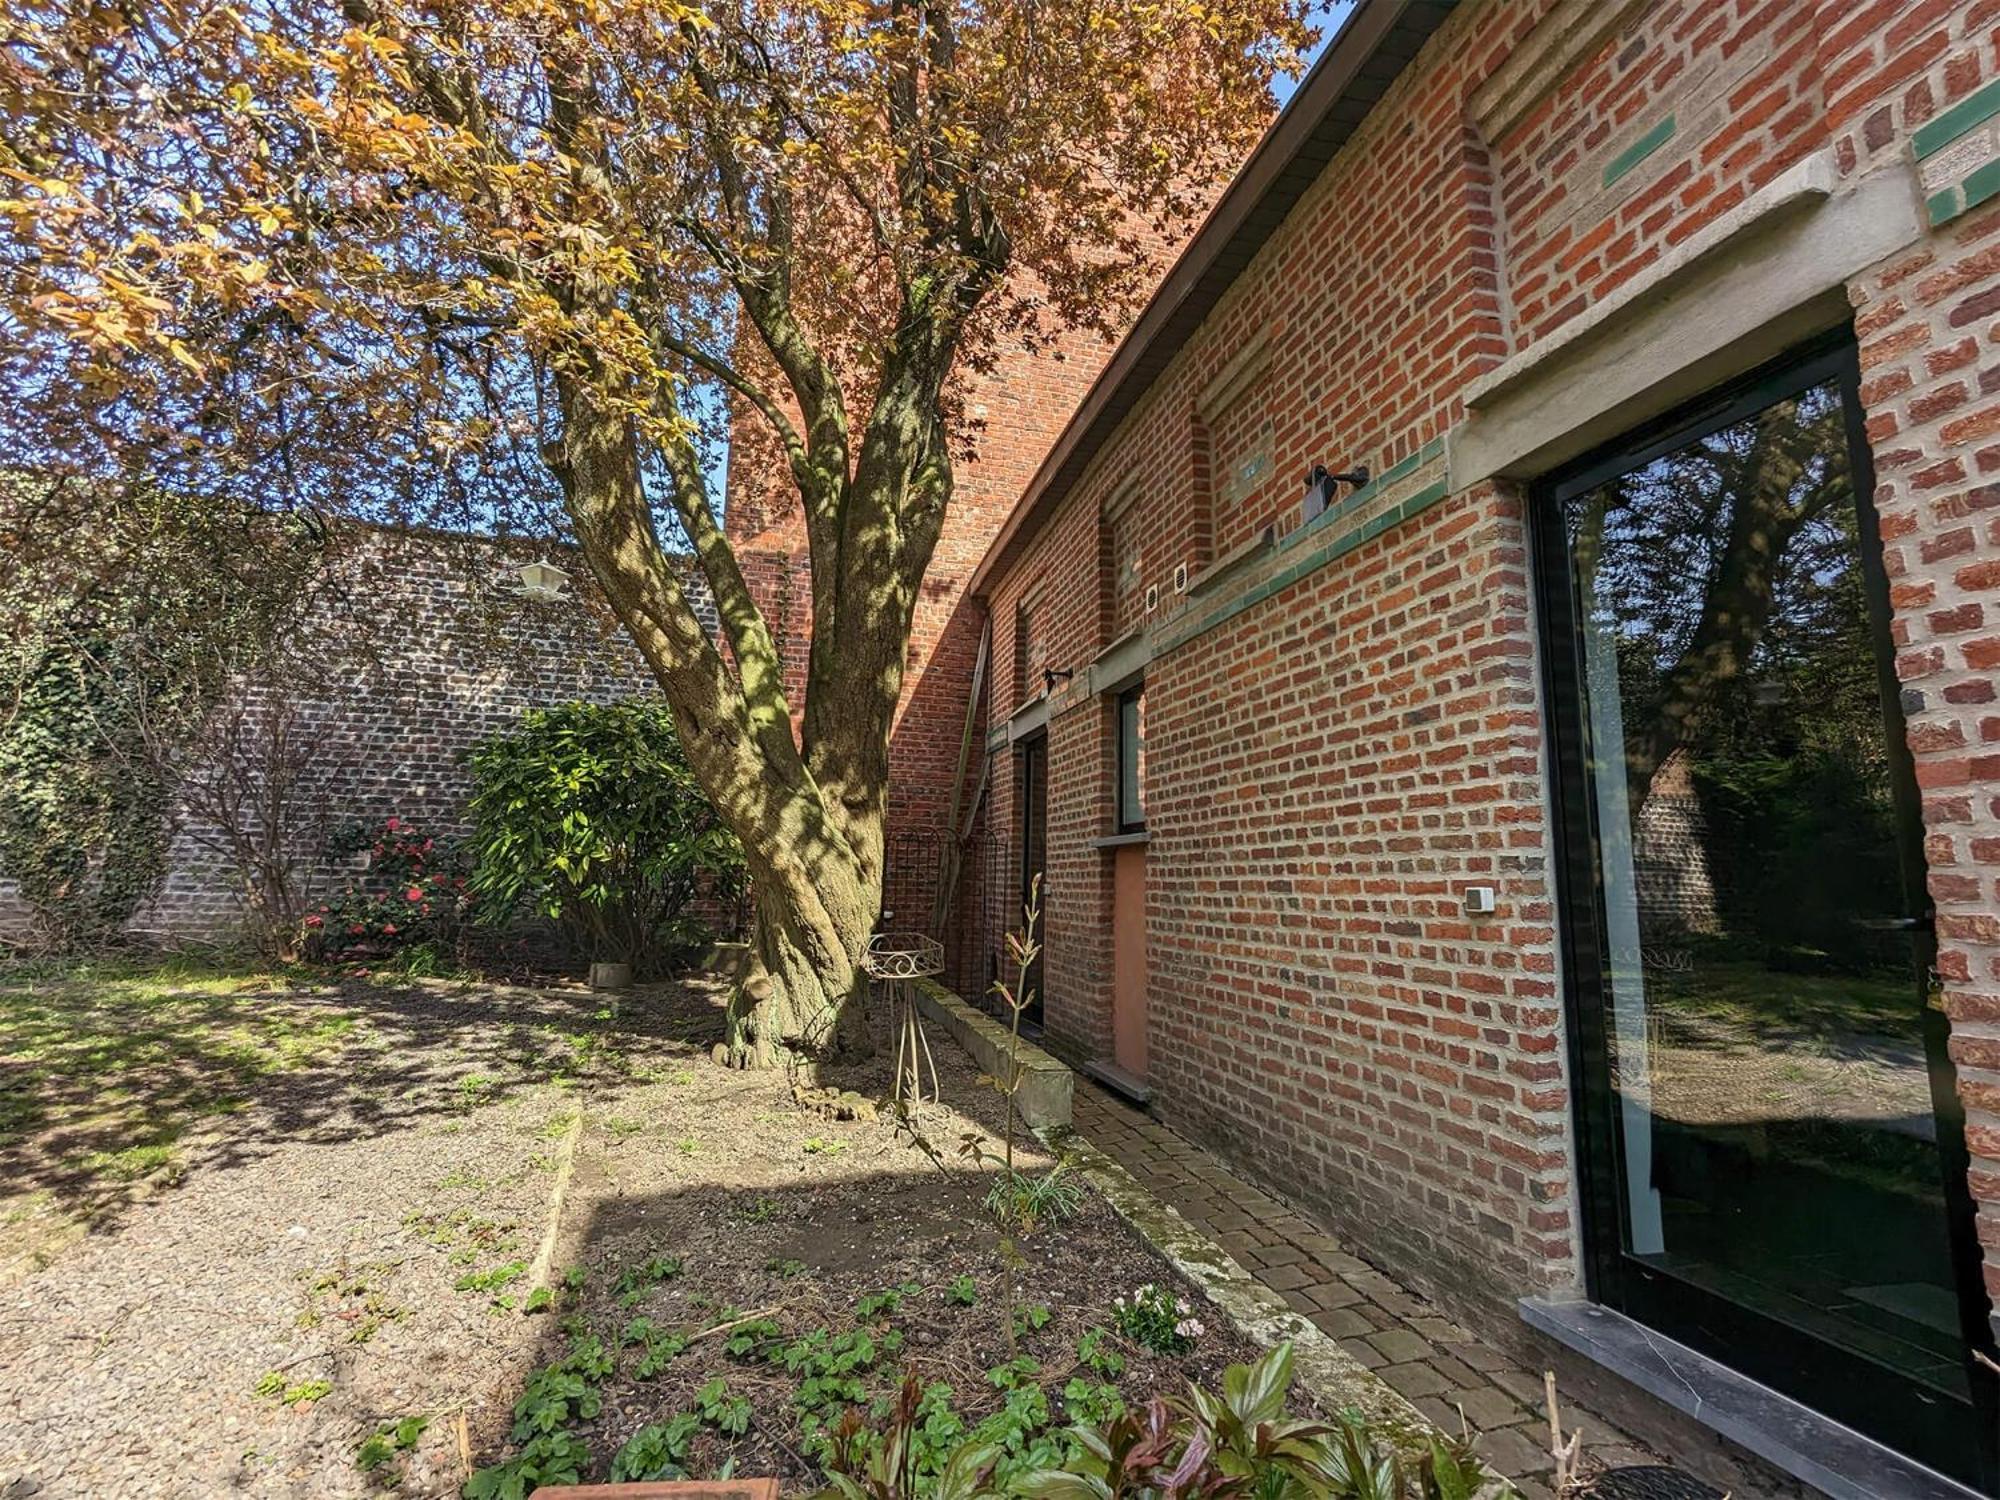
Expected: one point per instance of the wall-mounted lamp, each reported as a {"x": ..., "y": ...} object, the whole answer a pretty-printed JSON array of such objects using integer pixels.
[
  {"x": 542, "y": 580},
  {"x": 1050, "y": 674},
  {"x": 1319, "y": 487}
]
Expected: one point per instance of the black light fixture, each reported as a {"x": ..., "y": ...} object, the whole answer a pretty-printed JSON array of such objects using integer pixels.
[
  {"x": 1050, "y": 674},
  {"x": 1320, "y": 483}
]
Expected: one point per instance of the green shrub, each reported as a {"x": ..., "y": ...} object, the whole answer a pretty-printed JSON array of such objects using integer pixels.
[
  {"x": 406, "y": 907},
  {"x": 589, "y": 815}
]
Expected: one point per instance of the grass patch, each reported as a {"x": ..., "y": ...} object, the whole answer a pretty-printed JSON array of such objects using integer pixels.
[{"x": 1767, "y": 1004}]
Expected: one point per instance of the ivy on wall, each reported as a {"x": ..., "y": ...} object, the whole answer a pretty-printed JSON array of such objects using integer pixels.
[{"x": 111, "y": 661}]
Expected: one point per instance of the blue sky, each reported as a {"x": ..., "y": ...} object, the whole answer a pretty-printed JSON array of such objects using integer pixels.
[{"x": 1327, "y": 16}]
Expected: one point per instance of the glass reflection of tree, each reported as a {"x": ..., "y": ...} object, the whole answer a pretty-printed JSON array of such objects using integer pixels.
[{"x": 1726, "y": 573}]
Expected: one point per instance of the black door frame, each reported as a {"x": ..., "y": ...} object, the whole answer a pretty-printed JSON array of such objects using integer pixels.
[
  {"x": 1032, "y": 783},
  {"x": 1845, "y": 1386}
]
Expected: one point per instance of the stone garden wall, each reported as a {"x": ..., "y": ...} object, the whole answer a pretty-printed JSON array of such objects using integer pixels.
[{"x": 440, "y": 650}]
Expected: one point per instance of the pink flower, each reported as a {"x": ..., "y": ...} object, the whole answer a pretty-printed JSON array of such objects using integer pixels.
[
  {"x": 315, "y": 921},
  {"x": 355, "y": 930},
  {"x": 413, "y": 894},
  {"x": 388, "y": 927},
  {"x": 393, "y": 824}
]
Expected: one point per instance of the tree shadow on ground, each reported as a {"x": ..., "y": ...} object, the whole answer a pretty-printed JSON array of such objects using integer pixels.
[{"x": 116, "y": 1079}]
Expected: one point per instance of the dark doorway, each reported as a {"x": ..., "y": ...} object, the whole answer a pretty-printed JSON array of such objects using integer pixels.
[
  {"x": 1773, "y": 1142},
  {"x": 1032, "y": 758}
]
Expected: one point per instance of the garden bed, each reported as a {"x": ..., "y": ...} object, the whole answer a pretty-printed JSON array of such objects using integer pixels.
[
  {"x": 808, "y": 1263},
  {"x": 278, "y": 1236}
]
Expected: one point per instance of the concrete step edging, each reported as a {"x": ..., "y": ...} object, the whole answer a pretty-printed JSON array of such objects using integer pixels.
[{"x": 1047, "y": 1084}]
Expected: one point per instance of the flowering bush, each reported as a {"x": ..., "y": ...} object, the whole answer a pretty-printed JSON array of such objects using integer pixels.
[
  {"x": 1155, "y": 1317},
  {"x": 411, "y": 895}
]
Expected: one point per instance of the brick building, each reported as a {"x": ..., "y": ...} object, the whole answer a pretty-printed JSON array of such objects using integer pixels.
[{"x": 1497, "y": 674}]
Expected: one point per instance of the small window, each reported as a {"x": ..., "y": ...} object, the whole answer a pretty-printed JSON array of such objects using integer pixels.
[{"x": 1132, "y": 759}]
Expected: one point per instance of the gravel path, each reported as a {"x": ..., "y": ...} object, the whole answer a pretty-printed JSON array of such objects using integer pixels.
[{"x": 316, "y": 1233}]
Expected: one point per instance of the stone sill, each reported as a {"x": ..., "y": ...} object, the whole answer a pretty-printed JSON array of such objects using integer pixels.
[
  {"x": 1825, "y": 1454},
  {"x": 1120, "y": 840},
  {"x": 1119, "y": 1081}
]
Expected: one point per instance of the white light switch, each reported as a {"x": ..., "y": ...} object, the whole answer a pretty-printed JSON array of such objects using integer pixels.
[{"x": 1479, "y": 900}]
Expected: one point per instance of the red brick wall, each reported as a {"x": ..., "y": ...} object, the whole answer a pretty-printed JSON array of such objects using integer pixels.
[
  {"x": 1929, "y": 328},
  {"x": 1332, "y": 761},
  {"x": 1741, "y": 85}
]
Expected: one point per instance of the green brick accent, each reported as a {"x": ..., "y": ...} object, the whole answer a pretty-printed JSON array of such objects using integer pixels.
[
  {"x": 1316, "y": 553},
  {"x": 1934, "y": 135},
  {"x": 1639, "y": 150},
  {"x": 1982, "y": 184},
  {"x": 1940, "y": 207}
]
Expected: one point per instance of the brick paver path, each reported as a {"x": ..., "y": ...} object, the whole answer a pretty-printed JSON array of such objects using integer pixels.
[{"x": 1438, "y": 1365}]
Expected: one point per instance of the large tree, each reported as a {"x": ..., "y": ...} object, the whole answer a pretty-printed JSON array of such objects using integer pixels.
[{"x": 515, "y": 263}]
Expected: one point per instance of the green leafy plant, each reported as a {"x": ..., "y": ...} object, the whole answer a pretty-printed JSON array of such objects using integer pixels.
[
  {"x": 1243, "y": 1442},
  {"x": 492, "y": 1279},
  {"x": 728, "y": 1414},
  {"x": 1031, "y": 1319},
  {"x": 1091, "y": 1403},
  {"x": 1030, "y": 1200},
  {"x": 885, "y": 1302},
  {"x": 386, "y": 1445},
  {"x": 1094, "y": 1352},
  {"x": 1155, "y": 1317},
  {"x": 407, "y": 906},
  {"x": 588, "y": 814},
  {"x": 657, "y": 1451},
  {"x": 661, "y": 1351},
  {"x": 634, "y": 1281},
  {"x": 547, "y": 1458},
  {"x": 895, "y": 1463},
  {"x": 964, "y": 1291},
  {"x": 285, "y": 1392}
]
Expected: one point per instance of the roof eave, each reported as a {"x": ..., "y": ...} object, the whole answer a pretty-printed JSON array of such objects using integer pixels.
[{"x": 1368, "y": 54}]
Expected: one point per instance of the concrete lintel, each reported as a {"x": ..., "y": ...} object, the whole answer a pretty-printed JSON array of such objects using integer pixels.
[
  {"x": 1771, "y": 272},
  {"x": 1122, "y": 662},
  {"x": 1029, "y": 719}
]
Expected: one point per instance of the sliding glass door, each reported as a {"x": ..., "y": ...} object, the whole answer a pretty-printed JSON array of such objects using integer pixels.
[{"x": 1772, "y": 1135}]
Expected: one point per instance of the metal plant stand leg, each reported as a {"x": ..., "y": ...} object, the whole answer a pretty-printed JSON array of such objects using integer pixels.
[{"x": 899, "y": 960}]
